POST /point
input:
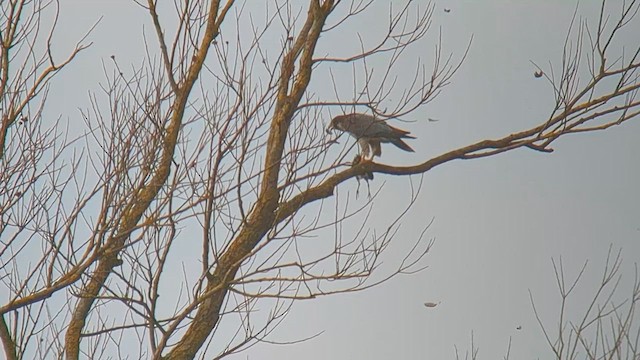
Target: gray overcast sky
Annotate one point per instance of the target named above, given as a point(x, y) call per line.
point(497, 221)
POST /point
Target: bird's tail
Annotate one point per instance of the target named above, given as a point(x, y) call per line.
point(402, 133)
point(402, 145)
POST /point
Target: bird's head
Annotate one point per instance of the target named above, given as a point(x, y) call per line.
point(337, 123)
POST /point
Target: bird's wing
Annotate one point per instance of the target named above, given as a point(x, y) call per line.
point(359, 125)
point(367, 126)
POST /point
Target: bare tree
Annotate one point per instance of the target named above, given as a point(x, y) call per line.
point(199, 185)
point(607, 328)
point(601, 325)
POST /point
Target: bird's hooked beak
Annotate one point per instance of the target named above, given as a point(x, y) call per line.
point(330, 128)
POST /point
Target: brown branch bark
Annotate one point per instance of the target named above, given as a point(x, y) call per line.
point(146, 193)
point(8, 343)
point(262, 218)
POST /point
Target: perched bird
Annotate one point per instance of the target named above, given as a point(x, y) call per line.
point(369, 132)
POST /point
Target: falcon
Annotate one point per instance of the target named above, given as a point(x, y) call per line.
point(370, 132)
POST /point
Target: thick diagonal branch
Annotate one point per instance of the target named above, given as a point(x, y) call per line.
point(144, 194)
point(291, 87)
